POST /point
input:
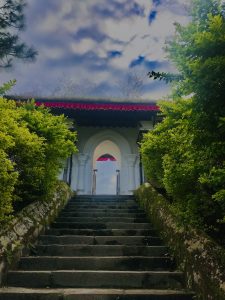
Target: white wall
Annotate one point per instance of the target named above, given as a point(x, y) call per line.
point(88, 139)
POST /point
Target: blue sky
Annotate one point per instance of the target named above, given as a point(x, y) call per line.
point(92, 46)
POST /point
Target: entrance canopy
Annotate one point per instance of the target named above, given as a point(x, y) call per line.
point(100, 111)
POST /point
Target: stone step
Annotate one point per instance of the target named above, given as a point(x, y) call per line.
point(101, 232)
point(102, 214)
point(103, 210)
point(106, 196)
point(99, 250)
point(120, 263)
point(102, 197)
point(104, 204)
point(101, 206)
point(98, 225)
point(100, 240)
point(96, 279)
point(93, 201)
point(93, 294)
point(100, 219)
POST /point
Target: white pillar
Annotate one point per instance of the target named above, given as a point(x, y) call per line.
point(131, 160)
point(82, 159)
point(74, 175)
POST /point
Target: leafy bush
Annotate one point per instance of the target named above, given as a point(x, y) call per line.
point(58, 144)
point(186, 169)
point(33, 146)
point(185, 154)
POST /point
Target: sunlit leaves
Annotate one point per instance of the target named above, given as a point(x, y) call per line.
point(33, 145)
point(7, 86)
point(186, 152)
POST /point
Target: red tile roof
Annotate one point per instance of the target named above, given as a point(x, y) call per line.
point(99, 106)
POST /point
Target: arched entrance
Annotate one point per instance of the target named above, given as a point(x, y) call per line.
point(106, 169)
point(97, 142)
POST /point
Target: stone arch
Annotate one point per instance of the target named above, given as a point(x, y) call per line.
point(105, 147)
point(110, 135)
point(125, 151)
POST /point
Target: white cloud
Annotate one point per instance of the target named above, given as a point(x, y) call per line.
point(83, 46)
point(53, 25)
point(49, 24)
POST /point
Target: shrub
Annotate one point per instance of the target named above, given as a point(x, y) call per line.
point(185, 153)
point(58, 144)
point(191, 172)
point(33, 145)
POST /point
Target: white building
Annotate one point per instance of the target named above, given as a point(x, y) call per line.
point(108, 132)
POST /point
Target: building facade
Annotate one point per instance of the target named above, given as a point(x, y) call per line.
point(108, 131)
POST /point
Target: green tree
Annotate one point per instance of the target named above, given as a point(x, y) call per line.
point(6, 87)
point(8, 175)
point(12, 20)
point(198, 51)
point(190, 141)
point(58, 144)
point(33, 146)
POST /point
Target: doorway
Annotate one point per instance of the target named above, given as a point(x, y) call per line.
point(106, 169)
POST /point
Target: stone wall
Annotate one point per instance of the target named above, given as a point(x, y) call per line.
point(22, 231)
point(201, 259)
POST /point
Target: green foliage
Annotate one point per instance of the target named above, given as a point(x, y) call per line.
point(8, 174)
point(194, 251)
point(58, 141)
point(8, 178)
point(175, 160)
point(167, 77)
point(11, 19)
point(185, 153)
point(33, 145)
point(7, 86)
point(198, 53)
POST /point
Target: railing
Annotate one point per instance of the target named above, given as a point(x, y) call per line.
point(117, 182)
point(94, 182)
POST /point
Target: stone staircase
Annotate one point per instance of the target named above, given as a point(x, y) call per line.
point(99, 248)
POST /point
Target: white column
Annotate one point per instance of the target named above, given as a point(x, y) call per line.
point(131, 160)
point(82, 159)
point(75, 170)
